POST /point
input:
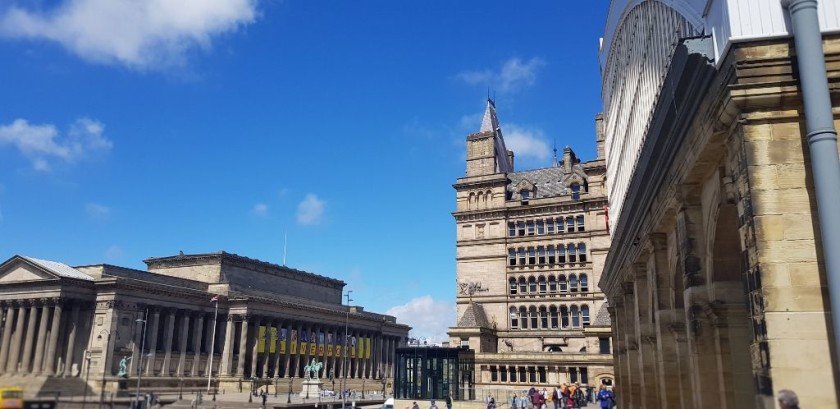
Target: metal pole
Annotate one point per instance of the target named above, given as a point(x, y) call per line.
point(822, 142)
point(142, 347)
point(212, 346)
point(87, 377)
point(104, 370)
point(289, 398)
point(344, 353)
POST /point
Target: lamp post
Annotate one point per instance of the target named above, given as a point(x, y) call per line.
point(140, 355)
point(180, 388)
point(251, 393)
point(107, 350)
point(87, 376)
point(345, 352)
point(363, 388)
point(289, 398)
point(275, 386)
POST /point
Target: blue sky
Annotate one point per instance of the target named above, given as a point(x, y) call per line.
point(129, 132)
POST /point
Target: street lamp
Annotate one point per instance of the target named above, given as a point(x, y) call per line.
point(251, 394)
point(345, 352)
point(289, 398)
point(140, 355)
point(363, 388)
point(180, 388)
point(87, 376)
point(275, 384)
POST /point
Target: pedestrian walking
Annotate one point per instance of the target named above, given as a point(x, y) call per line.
point(788, 399)
point(449, 401)
point(605, 398)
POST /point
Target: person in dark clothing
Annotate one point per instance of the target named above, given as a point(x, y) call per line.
point(449, 401)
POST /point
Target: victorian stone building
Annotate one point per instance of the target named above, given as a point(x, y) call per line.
point(530, 248)
point(64, 325)
point(720, 264)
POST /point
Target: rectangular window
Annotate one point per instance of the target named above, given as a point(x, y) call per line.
point(522, 375)
point(551, 257)
point(530, 225)
point(580, 225)
point(560, 226)
point(604, 345)
point(512, 371)
point(552, 285)
point(541, 255)
point(532, 374)
point(549, 224)
point(573, 375)
point(541, 373)
point(512, 287)
point(542, 286)
point(544, 319)
point(521, 253)
point(554, 318)
point(572, 254)
point(532, 256)
point(561, 254)
point(494, 374)
point(534, 323)
point(523, 288)
point(584, 376)
point(511, 229)
point(540, 227)
point(512, 257)
point(503, 374)
point(582, 252)
point(570, 225)
point(520, 228)
point(514, 320)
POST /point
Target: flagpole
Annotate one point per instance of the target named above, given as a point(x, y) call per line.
point(212, 345)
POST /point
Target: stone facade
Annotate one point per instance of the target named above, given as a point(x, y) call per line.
point(63, 326)
point(530, 248)
point(715, 280)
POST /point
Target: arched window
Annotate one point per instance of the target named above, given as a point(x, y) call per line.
point(573, 283)
point(584, 312)
point(480, 200)
point(523, 317)
point(521, 253)
point(471, 201)
point(572, 253)
point(582, 252)
point(553, 314)
point(575, 316)
point(532, 313)
point(564, 316)
point(583, 281)
point(564, 287)
point(512, 256)
point(512, 282)
point(523, 286)
point(532, 256)
point(561, 254)
point(580, 224)
point(540, 255)
point(514, 318)
point(532, 285)
point(575, 191)
point(488, 198)
point(552, 284)
point(543, 318)
point(570, 225)
point(543, 287)
point(551, 257)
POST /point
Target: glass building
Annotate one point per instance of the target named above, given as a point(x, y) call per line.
point(434, 372)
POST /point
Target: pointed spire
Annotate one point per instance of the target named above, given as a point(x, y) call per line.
point(556, 164)
point(490, 121)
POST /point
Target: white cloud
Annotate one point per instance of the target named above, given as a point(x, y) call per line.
point(471, 122)
point(512, 76)
point(114, 253)
point(97, 211)
point(429, 318)
point(526, 142)
point(38, 142)
point(145, 34)
point(310, 210)
point(260, 209)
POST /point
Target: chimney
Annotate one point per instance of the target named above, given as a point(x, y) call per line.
point(569, 159)
point(510, 159)
point(599, 135)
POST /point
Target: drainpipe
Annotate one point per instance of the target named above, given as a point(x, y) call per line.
point(822, 142)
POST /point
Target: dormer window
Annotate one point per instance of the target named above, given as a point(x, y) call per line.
point(575, 191)
point(524, 194)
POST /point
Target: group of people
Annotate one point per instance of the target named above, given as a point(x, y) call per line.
point(565, 397)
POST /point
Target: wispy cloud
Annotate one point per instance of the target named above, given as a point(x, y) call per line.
point(150, 34)
point(429, 318)
point(97, 211)
point(41, 142)
point(310, 210)
point(512, 76)
point(260, 209)
point(526, 142)
point(114, 253)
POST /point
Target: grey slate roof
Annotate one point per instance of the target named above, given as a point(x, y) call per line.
point(548, 182)
point(59, 269)
point(603, 317)
point(474, 316)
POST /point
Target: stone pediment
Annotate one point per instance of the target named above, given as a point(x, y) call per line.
point(22, 272)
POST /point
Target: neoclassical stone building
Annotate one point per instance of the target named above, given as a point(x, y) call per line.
point(63, 325)
point(530, 248)
point(718, 274)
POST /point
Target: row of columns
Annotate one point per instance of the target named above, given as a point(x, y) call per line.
point(241, 357)
point(38, 337)
point(173, 345)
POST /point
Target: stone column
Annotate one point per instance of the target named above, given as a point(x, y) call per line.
point(255, 347)
point(152, 343)
point(182, 343)
point(7, 335)
point(226, 365)
point(645, 336)
point(197, 332)
point(211, 321)
point(28, 338)
point(38, 363)
point(295, 369)
point(268, 358)
point(243, 347)
point(289, 355)
point(277, 355)
point(168, 335)
point(669, 370)
point(73, 327)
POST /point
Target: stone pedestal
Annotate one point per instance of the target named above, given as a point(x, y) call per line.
point(312, 387)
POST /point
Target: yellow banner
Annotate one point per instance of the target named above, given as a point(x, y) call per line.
point(320, 350)
point(329, 350)
point(294, 344)
point(303, 348)
point(261, 339)
point(367, 348)
point(338, 351)
point(312, 348)
point(282, 346)
point(352, 352)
